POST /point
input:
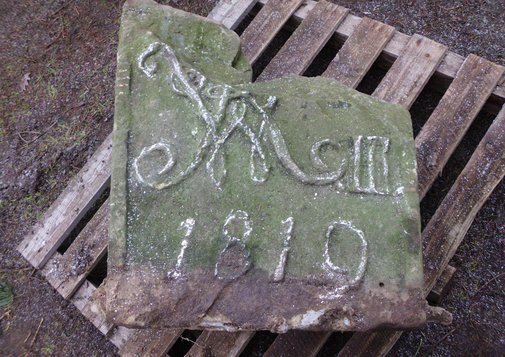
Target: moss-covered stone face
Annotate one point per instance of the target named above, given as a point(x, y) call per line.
point(278, 205)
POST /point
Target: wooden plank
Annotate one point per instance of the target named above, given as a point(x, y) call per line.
point(149, 342)
point(448, 67)
point(73, 203)
point(411, 71)
point(84, 300)
point(220, 344)
point(267, 23)
point(67, 272)
point(231, 12)
point(305, 43)
point(298, 343)
point(442, 285)
point(359, 52)
point(120, 335)
point(452, 117)
point(449, 225)
point(376, 343)
point(452, 219)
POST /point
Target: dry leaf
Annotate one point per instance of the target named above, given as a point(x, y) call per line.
point(24, 82)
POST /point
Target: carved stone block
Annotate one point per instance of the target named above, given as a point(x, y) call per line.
point(236, 205)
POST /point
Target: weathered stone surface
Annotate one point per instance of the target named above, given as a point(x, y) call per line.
point(277, 205)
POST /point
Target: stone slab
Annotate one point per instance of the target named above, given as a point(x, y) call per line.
point(237, 205)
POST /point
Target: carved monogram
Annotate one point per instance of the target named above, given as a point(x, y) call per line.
point(363, 167)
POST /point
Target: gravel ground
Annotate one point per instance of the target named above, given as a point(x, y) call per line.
point(49, 128)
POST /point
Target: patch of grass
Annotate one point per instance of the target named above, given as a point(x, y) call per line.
point(51, 68)
point(6, 294)
point(473, 265)
point(97, 108)
point(52, 91)
point(48, 349)
point(33, 205)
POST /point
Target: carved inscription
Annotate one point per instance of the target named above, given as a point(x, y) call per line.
point(224, 110)
point(331, 267)
point(286, 233)
point(371, 166)
point(235, 259)
point(187, 226)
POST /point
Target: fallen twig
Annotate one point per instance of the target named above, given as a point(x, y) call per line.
point(14, 269)
point(193, 342)
point(38, 136)
point(445, 336)
point(27, 337)
point(60, 8)
point(487, 283)
point(7, 313)
point(36, 332)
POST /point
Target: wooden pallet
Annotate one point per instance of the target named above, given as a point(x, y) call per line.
point(475, 82)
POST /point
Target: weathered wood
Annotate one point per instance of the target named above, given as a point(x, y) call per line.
point(411, 71)
point(231, 12)
point(263, 28)
point(149, 342)
point(67, 272)
point(84, 301)
point(448, 67)
point(120, 335)
point(220, 344)
point(376, 343)
point(73, 203)
point(449, 225)
point(455, 214)
point(298, 343)
point(359, 52)
point(452, 117)
point(442, 285)
point(305, 43)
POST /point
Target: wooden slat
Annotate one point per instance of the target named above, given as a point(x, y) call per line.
point(411, 71)
point(149, 342)
point(266, 25)
point(370, 343)
point(65, 213)
point(359, 52)
point(220, 344)
point(84, 301)
point(451, 119)
point(447, 228)
point(448, 67)
point(67, 272)
point(442, 285)
point(305, 43)
point(120, 335)
point(454, 216)
point(231, 12)
point(298, 343)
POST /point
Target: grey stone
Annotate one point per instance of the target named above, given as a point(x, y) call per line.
point(276, 205)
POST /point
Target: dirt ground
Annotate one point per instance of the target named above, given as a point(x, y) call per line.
point(54, 121)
